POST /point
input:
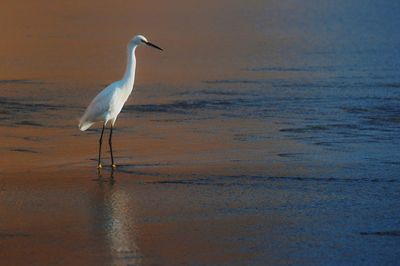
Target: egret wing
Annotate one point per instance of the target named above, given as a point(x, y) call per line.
point(99, 108)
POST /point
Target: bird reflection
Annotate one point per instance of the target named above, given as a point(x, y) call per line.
point(115, 212)
point(102, 179)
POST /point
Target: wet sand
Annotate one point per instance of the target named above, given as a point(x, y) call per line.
point(264, 136)
point(188, 190)
point(143, 216)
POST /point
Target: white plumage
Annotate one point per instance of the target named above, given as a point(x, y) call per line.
point(106, 105)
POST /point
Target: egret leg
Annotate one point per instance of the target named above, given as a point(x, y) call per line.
point(100, 142)
point(110, 143)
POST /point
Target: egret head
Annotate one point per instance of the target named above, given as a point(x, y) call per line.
point(140, 39)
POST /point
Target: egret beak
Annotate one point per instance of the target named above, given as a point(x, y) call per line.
point(153, 45)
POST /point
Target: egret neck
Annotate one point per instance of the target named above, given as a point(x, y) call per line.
point(129, 76)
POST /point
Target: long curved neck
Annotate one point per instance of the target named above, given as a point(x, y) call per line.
point(129, 76)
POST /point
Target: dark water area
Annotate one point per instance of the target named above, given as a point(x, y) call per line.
point(268, 134)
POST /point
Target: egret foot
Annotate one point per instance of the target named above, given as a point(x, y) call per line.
point(114, 166)
point(99, 166)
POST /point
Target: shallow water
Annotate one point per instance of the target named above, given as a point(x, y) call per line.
point(266, 134)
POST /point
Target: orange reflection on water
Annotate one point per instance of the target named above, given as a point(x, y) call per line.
point(78, 41)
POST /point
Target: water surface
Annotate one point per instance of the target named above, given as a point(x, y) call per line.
point(267, 132)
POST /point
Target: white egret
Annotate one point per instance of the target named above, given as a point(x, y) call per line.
point(106, 106)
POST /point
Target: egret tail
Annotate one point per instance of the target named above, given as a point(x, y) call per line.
point(85, 125)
